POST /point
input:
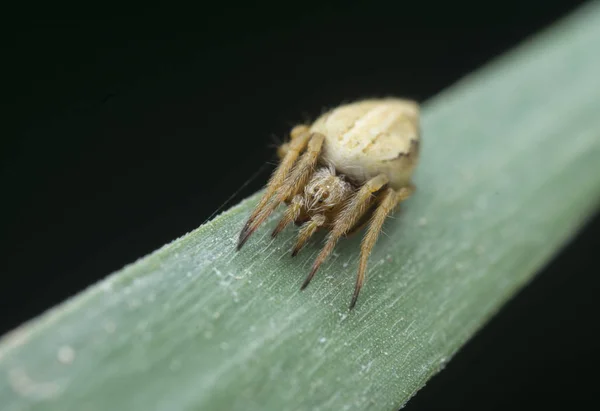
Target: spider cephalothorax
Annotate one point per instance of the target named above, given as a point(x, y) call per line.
point(351, 167)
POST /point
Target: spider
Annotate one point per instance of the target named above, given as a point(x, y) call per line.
point(350, 168)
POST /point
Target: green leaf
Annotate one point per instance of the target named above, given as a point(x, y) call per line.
point(510, 170)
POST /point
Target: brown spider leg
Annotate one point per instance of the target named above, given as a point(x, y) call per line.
point(299, 140)
point(291, 214)
point(357, 206)
point(294, 182)
point(363, 221)
point(307, 230)
point(388, 201)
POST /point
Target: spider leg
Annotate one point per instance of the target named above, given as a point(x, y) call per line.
point(299, 139)
point(291, 214)
point(307, 230)
point(388, 201)
point(349, 216)
point(297, 179)
point(363, 221)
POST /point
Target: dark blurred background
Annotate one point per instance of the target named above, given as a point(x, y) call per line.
point(129, 128)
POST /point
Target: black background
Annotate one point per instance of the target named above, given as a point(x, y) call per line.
point(128, 129)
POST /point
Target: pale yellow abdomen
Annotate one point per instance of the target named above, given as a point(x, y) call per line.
point(371, 137)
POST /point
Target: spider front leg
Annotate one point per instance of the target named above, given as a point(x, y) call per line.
point(294, 182)
point(388, 200)
point(348, 217)
point(299, 140)
point(291, 214)
point(307, 230)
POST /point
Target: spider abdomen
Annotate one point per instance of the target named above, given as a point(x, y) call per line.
point(372, 137)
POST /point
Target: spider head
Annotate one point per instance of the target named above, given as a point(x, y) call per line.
point(326, 190)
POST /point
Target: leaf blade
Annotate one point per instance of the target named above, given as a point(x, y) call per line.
point(509, 173)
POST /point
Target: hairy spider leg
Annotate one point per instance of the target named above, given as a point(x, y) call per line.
point(291, 214)
point(388, 200)
point(294, 182)
point(299, 140)
point(349, 216)
point(307, 230)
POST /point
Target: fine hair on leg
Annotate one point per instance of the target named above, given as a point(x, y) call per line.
point(356, 207)
point(294, 182)
point(299, 140)
point(291, 214)
point(307, 230)
point(388, 201)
